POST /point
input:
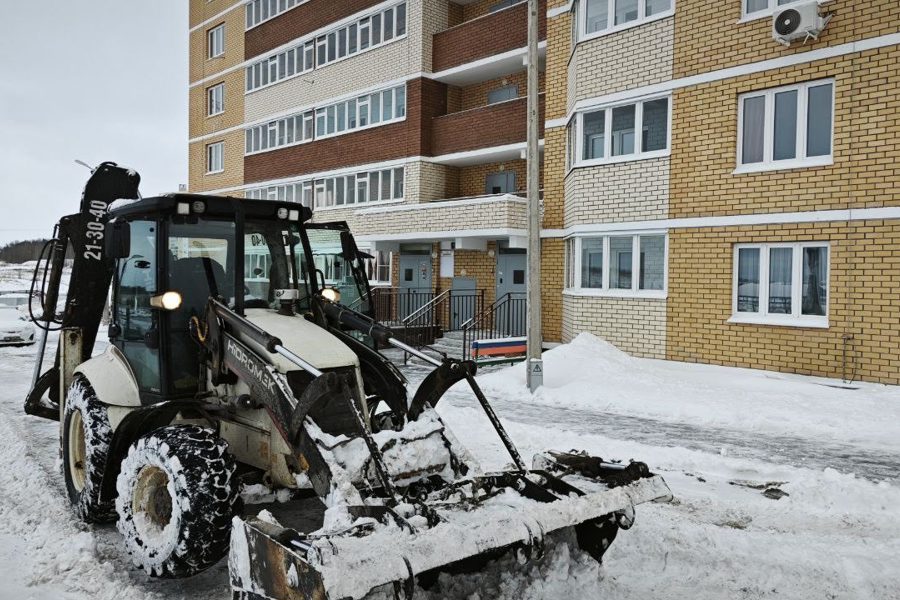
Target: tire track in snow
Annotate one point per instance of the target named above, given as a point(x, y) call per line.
point(796, 451)
point(57, 556)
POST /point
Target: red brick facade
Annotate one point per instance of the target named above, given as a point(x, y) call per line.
point(493, 125)
point(300, 21)
point(492, 34)
point(425, 99)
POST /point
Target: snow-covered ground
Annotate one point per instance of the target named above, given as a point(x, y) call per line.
point(726, 440)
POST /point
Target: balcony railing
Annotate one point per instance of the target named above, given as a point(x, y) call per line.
point(488, 35)
point(483, 127)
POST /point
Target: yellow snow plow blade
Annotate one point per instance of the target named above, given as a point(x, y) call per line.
point(457, 530)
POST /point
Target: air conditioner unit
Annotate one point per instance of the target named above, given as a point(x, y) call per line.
point(800, 22)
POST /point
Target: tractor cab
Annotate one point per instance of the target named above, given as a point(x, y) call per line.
point(173, 253)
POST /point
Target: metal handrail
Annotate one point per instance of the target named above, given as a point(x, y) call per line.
point(486, 320)
point(433, 302)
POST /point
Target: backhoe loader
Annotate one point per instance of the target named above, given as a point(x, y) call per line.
point(234, 357)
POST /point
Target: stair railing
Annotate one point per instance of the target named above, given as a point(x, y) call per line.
point(506, 317)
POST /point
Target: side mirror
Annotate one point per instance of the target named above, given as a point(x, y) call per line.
point(118, 239)
point(348, 246)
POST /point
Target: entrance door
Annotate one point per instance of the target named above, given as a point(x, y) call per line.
point(463, 301)
point(511, 279)
point(415, 283)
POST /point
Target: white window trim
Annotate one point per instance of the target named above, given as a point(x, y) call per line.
point(209, 103)
point(209, 149)
point(342, 173)
point(578, 121)
point(768, 12)
point(315, 110)
point(209, 44)
point(796, 319)
point(271, 16)
point(605, 291)
point(768, 163)
point(315, 37)
point(581, 19)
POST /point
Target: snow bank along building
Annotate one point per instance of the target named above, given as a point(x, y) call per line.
point(715, 196)
point(709, 194)
point(405, 118)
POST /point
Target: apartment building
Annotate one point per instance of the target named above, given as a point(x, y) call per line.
point(405, 118)
point(714, 196)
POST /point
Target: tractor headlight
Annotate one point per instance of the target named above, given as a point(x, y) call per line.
point(332, 294)
point(167, 301)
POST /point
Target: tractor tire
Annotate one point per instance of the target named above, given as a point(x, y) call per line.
point(86, 436)
point(177, 496)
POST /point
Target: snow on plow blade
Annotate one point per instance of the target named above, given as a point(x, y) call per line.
point(471, 522)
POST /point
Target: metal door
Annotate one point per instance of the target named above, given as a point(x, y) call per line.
point(511, 279)
point(415, 283)
point(463, 300)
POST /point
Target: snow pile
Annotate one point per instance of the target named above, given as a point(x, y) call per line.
point(418, 450)
point(592, 374)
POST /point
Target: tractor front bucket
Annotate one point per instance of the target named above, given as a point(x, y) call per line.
point(458, 528)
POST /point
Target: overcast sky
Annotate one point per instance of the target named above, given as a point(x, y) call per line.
point(89, 79)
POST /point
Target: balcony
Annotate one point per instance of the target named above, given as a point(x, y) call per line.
point(493, 39)
point(492, 126)
point(469, 221)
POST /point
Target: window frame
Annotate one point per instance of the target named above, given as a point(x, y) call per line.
point(575, 155)
point(210, 151)
point(762, 316)
point(573, 255)
point(798, 162)
point(580, 19)
point(321, 43)
point(210, 102)
point(215, 36)
point(319, 187)
point(771, 9)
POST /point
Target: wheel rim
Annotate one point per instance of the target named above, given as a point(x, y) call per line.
point(151, 503)
point(77, 453)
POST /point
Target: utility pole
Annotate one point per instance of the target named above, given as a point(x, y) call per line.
point(534, 363)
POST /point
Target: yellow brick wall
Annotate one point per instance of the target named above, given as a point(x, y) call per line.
point(201, 66)
point(634, 325)
point(233, 175)
point(201, 10)
point(708, 35)
point(864, 303)
point(864, 174)
point(199, 123)
point(559, 44)
point(552, 279)
point(478, 264)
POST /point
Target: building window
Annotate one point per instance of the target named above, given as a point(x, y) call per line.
point(363, 34)
point(503, 4)
point(378, 265)
point(617, 133)
point(258, 11)
point(376, 108)
point(781, 284)
point(215, 99)
point(597, 17)
point(215, 41)
point(502, 94)
point(618, 265)
point(337, 191)
point(787, 127)
point(763, 8)
point(215, 157)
